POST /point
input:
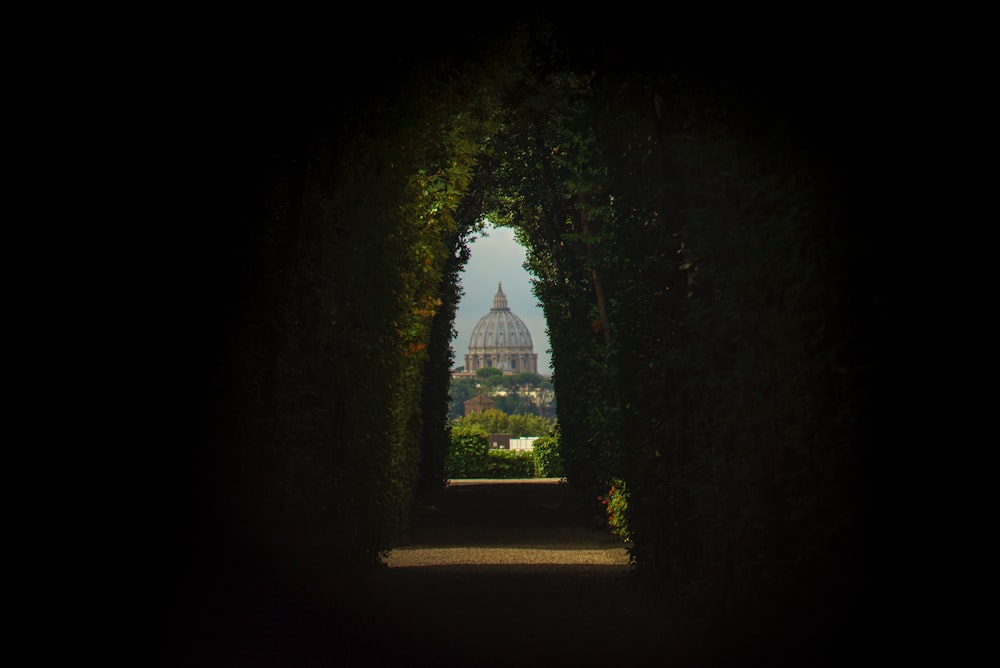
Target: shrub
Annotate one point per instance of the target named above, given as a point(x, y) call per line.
point(510, 464)
point(616, 504)
point(548, 463)
point(468, 456)
point(495, 421)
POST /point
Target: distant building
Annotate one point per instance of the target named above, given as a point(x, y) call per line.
point(509, 442)
point(525, 443)
point(500, 441)
point(478, 404)
point(501, 340)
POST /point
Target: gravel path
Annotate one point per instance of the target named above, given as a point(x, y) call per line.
point(492, 573)
point(515, 572)
point(518, 522)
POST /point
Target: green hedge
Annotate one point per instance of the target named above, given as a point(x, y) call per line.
point(510, 464)
point(470, 457)
point(548, 463)
point(468, 454)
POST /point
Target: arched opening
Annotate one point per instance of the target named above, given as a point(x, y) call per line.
point(714, 285)
point(496, 257)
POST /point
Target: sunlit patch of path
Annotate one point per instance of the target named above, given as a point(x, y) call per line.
point(410, 557)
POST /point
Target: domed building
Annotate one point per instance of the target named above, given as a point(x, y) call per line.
point(501, 340)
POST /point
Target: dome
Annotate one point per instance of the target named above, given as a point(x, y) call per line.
point(500, 327)
point(501, 339)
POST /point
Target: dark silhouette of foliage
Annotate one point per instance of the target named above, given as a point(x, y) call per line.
point(711, 268)
point(690, 243)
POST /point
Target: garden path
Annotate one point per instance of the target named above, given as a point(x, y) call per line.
point(491, 573)
point(515, 572)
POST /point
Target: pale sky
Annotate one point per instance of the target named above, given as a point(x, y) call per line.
point(498, 258)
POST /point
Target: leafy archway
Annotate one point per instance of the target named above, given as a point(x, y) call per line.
point(695, 248)
point(695, 261)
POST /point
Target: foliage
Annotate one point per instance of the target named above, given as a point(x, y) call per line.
point(461, 390)
point(471, 457)
point(699, 288)
point(510, 393)
point(689, 260)
point(529, 379)
point(494, 421)
point(548, 463)
point(352, 237)
point(616, 505)
point(510, 464)
point(468, 456)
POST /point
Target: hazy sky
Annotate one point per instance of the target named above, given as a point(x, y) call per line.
point(497, 258)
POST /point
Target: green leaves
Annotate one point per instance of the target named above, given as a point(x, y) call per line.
point(685, 272)
point(547, 456)
point(495, 421)
point(680, 270)
point(468, 452)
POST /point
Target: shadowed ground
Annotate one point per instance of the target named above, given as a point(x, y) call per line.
point(491, 573)
point(514, 571)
